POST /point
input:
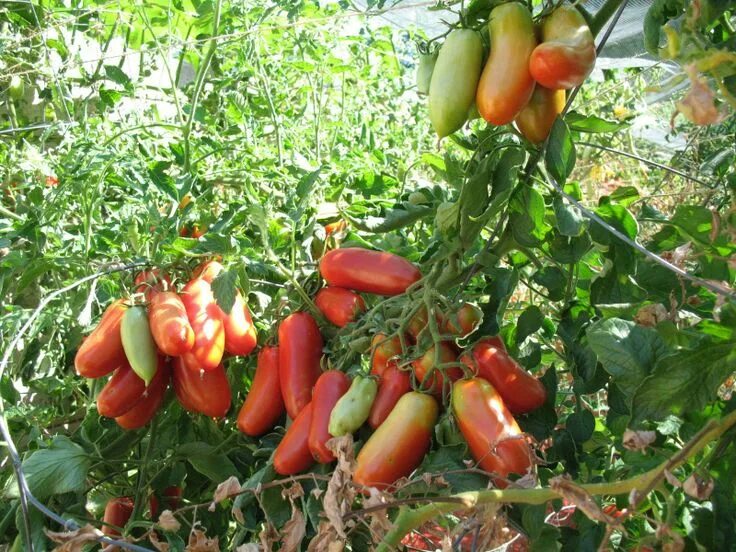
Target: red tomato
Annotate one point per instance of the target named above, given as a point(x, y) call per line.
point(198, 230)
point(464, 321)
point(493, 436)
point(184, 231)
point(52, 181)
point(208, 270)
point(419, 322)
point(506, 85)
point(170, 497)
point(339, 305)
point(397, 447)
point(153, 506)
point(393, 384)
point(520, 391)
point(383, 350)
point(432, 380)
point(263, 405)
point(117, 513)
point(124, 389)
point(300, 352)
point(170, 326)
point(207, 392)
point(204, 317)
point(566, 55)
point(330, 386)
point(334, 228)
point(145, 409)
point(102, 351)
point(368, 271)
point(293, 454)
point(149, 282)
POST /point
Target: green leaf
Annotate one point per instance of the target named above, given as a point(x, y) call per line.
point(450, 459)
point(116, 75)
point(216, 466)
point(61, 468)
point(627, 351)
point(526, 217)
point(529, 322)
point(570, 220)
point(224, 289)
point(162, 181)
point(501, 284)
point(560, 156)
point(109, 97)
point(580, 425)
point(553, 279)
point(684, 381)
point(592, 123)
point(402, 216)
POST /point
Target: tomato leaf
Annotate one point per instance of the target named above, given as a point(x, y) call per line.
point(399, 217)
point(501, 284)
point(592, 123)
point(216, 466)
point(164, 182)
point(560, 156)
point(570, 220)
point(526, 217)
point(529, 322)
point(580, 425)
point(224, 290)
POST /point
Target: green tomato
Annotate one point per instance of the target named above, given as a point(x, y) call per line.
point(17, 88)
point(424, 72)
point(140, 349)
point(455, 80)
point(352, 409)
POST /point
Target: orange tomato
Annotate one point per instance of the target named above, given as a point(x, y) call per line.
point(293, 454)
point(536, 119)
point(205, 318)
point(102, 351)
point(170, 326)
point(263, 405)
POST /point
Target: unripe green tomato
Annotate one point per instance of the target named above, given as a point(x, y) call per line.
point(353, 408)
point(424, 72)
point(140, 349)
point(455, 80)
point(17, 88)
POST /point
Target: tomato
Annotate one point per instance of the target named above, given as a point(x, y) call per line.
point(16, 88)
point(186, 200)
point(102, 351)
point(353, 408)
point(397, 447)
point(425, 68)
point(382, 351)
point(536, 119)
point(335, 228)
point(493, 436)
point(184, 231)
point(520, 391)
point(207, 392)
point(394, 384)
point(431, 379)
point(368, 271)
point(204, 317)
point(170, 498)
point(149, 282)
point(464, 321)
point(330, 386)
point(170, 326)
point(208, 271)
point(454, 80)
point(300, 352)
point(506, 85)
point(263, 405)
point(145, 409)
point(566, 55)
point(198, 230)
point(117, 513)
point(419, 321)
point(140, 349)
point(293, 454)
point(121, 393)
point(339, 305)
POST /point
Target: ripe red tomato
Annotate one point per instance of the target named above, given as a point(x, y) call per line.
point(300, 352)
point(383, 350)
point(207, 392)
point(494, 438)
point(368, 271)
point(208, 270)
point(536, 119)
point(102, 351)
point(393, 384)
point(293, 454)
point(339, 305)
point(520, 391)
point(506, 85)
point(464, 321)
point(204, 317)
point(397, 447)
point(124, 389)
point(145, 409)
point(117, 513)
point(149, 282)
point(432, 380)
point(330, 386)
point(263, 405)
point(170, 326)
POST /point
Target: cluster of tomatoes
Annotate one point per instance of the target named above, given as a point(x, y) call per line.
point(524, 78)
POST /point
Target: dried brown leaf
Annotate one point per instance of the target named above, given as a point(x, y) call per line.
point(698, 106)
point(73, 541)
point(200, 542)
point(574, 494)
point(651, 315)
point(293, 531)
point(226, 489)
point(157, 544)
point(638, 440)
point(238, 514)
point(168, 522)
point(326, 539)
point(380, 524)
point(268, 537)
point(698, 487)
point(250, 547)
point(340, 492)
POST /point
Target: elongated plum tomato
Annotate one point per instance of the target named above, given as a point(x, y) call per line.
point(425, 68)
point(493, 436)
point(206, 392)
point(520, 391)
point(536, 119)
point(204, 317)
point(397, 447)
point(393, 384)
point(117, 513)
point(150, 282)
point(293, 454)
point(121, 392)
point(330, 386)
point(431, 379)
point(145, 409)
point(506, 85)
point(263, 405)
point(420, 320)
point(383, 350)
point(300, 352)
point(102, 351)
point(368, 271)
point(339, 305)
point(353, 408)
point(454, 80)
point(464, 321)
point(170, 326)
point(566, 55)
point(140, 348)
